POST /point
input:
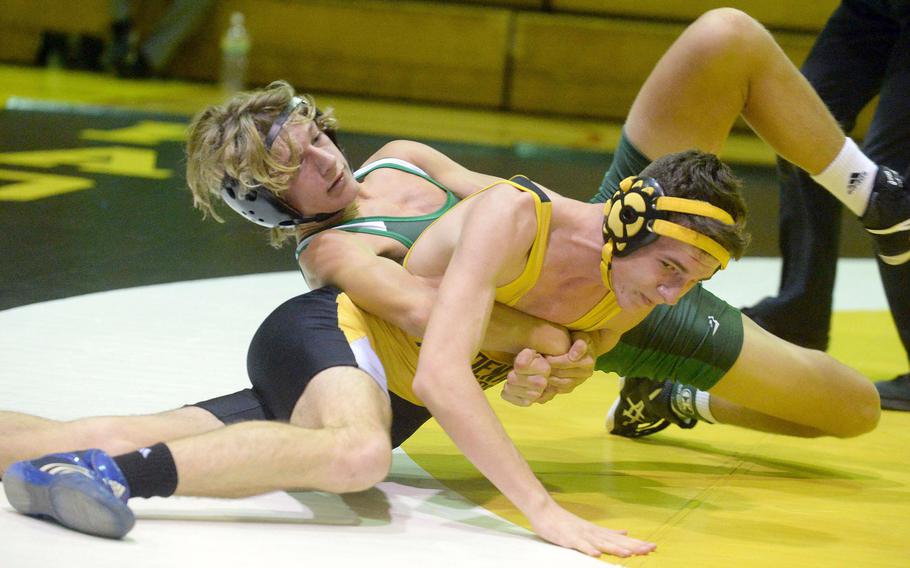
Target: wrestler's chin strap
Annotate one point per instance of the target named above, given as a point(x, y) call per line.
point(637, 214)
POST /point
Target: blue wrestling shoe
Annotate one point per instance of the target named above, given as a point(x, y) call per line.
point(887, 217)
point(643, 408)
point(84, 491)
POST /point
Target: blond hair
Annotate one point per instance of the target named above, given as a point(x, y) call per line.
point(228, 140)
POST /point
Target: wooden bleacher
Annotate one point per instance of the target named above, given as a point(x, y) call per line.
point(562, 57)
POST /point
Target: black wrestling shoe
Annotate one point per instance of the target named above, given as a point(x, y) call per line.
point(887, 217)
point(643, 408)
point(895, 394)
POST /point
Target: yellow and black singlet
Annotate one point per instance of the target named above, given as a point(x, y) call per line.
point(511, 293)
point(399, 351)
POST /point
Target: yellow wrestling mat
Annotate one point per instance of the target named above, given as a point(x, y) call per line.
point(715, 496)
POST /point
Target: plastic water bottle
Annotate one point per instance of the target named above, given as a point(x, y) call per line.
point(235, 49)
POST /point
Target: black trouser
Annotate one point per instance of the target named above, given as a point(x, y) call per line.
point(864, 50)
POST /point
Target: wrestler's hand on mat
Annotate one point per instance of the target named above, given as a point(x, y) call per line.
point(527, 380)
point(569, 370)
point(559, 526)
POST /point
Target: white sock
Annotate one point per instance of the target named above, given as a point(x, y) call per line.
point(849, 177)
point(690, 403)
point(703, 406)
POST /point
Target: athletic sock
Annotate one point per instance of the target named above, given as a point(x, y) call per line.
point(703, 406)
point(689, 403)
point(849, 177)
point(149, 472)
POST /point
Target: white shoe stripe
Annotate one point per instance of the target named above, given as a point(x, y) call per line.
point(902, 226)
point(895, 259)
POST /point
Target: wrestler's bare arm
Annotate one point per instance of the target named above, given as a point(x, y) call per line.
point(384, 288)
point(446, 385)
point(458, 179)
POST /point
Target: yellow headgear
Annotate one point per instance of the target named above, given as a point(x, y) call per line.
point(638, 214)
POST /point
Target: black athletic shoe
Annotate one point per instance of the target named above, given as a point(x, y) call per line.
point(643, 408)
point(895, 394)
point(887, 217)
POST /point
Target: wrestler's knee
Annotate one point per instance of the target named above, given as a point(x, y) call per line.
point(850, 398)
point(362, 459)
point(864, 414)
point(108, 433)
point(727, 32)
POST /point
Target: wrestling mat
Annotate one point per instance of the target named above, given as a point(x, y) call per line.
point(117, 299)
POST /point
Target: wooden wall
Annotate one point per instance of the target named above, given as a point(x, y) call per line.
point(572, 57)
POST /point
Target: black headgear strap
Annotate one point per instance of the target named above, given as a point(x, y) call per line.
point(259, 205)
point(637, 214)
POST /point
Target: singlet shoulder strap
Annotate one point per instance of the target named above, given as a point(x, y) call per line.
point(605, 310)
point(375, 227)
point(510, 293)
point(394, 163)
point(403, 229)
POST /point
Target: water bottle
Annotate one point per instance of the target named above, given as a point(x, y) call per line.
point(235, 49)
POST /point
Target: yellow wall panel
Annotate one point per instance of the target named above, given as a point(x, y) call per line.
point(526, 4)
point(23, 21)
point(440, 53)
point(19, 46)
point(583, 66)
point(801, 15)
point(588, 66)
point(86, 16)
point(474, 54)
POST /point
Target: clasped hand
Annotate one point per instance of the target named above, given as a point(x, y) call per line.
point(538, 378)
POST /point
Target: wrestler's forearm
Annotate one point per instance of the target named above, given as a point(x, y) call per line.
point(446, 385)
point(510, 331)
point(382, 287)
point(478, 433)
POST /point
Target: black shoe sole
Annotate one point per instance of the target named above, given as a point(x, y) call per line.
point(895, 404)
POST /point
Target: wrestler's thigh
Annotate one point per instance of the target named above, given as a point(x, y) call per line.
point(799, 385)
point(698, 88)
point(342, 397)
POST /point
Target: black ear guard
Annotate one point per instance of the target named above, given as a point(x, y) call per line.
point(630, 215)
point(639, 213)
point(258, 204)
point(261, 207)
